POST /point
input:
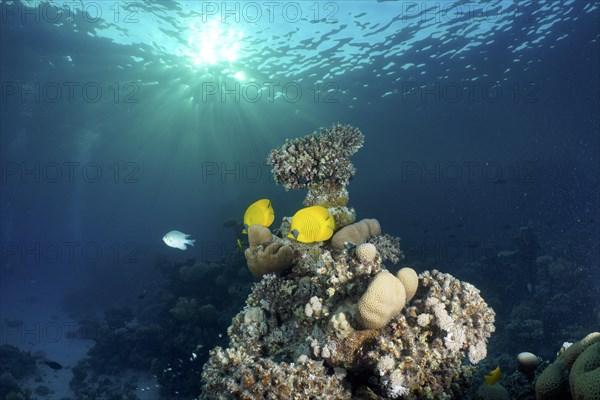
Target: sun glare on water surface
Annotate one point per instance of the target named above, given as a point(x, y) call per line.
point(212, 43)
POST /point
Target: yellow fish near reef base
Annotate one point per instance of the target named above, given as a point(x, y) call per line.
point(312, 224)
point(493, 376)
point(260, 212)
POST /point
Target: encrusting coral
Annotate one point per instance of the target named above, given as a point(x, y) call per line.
point(302, 333)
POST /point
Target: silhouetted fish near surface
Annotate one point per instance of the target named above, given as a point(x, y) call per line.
point(52, 364)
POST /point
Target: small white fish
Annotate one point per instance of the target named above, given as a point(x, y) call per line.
point(178, 240)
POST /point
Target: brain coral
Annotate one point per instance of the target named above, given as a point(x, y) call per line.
point(366, 252)
point(584, 378)
point(553, 382)
point(383, 300)
point(356, 233)
point(492, 392)
point(410, 280)
point(527, 362)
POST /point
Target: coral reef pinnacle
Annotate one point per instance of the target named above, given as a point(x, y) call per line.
point(302, 332)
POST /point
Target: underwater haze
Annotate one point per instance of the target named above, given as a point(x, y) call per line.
point(125, 126)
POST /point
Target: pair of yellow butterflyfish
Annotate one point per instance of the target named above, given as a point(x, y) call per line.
point(310, 224)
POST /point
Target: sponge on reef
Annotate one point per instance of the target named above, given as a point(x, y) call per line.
point(273, 258)
point(356, 233)
point(384, 299)
point(258, 234)
point(263, 255)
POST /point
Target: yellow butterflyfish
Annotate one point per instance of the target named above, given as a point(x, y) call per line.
point(260, 212)
point(493, 376)
point(312, 224)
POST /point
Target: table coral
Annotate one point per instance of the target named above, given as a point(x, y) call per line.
point(319, 162)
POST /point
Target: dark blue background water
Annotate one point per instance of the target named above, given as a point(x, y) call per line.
point(454, 174)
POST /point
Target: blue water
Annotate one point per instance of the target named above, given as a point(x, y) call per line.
point(123, 121)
